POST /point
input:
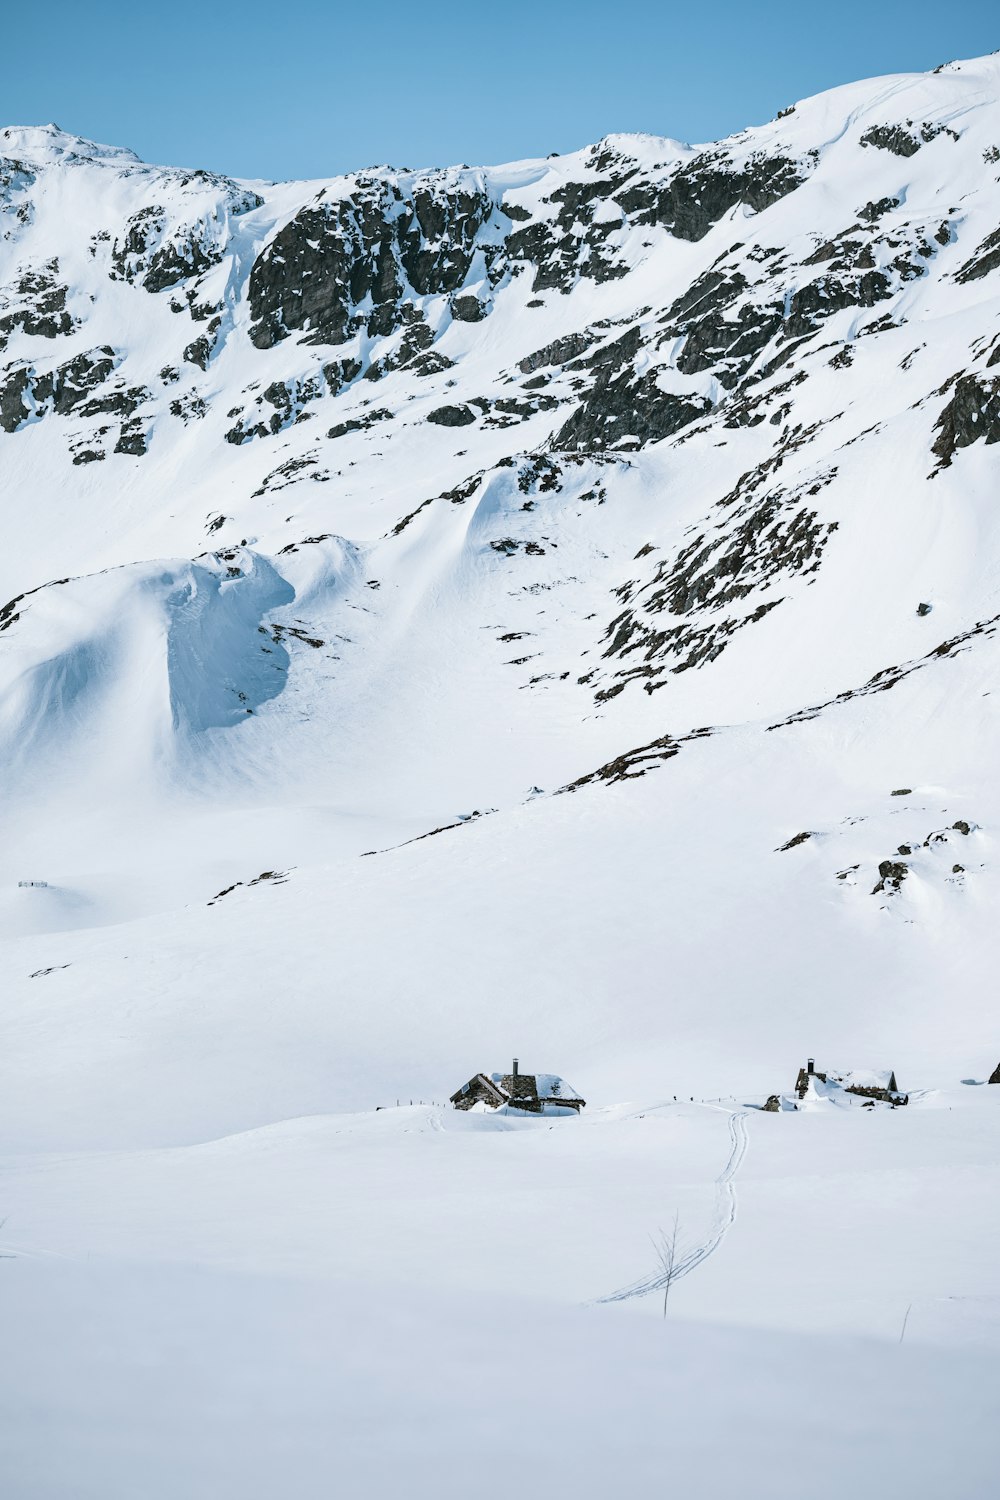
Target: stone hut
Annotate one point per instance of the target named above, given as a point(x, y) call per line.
point(865, 1083)
point(536, 1093)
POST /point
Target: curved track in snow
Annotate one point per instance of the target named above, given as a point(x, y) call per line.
point(725, 1217)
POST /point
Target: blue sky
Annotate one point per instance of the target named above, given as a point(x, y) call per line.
point(309, 89)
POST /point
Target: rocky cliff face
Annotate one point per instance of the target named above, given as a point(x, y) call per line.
point(681, 395)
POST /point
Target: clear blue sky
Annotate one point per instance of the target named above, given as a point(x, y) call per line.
point(308, 89)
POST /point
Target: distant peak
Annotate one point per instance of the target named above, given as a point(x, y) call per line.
point(42, 143)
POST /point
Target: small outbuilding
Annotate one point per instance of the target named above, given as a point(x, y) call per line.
point(536, 1093)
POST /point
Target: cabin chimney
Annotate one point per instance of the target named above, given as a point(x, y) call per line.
point(811, 1066)
point(515, 1067)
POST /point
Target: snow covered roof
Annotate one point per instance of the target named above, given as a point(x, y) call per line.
point(547, 1085)
point(863, 1078)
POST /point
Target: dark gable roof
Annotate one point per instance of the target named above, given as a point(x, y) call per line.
point(480, 1083)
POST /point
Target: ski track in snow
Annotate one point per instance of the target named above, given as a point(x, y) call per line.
point(725, 1218)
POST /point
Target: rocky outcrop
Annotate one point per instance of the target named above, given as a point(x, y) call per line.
point(985, 259)
point(26, 392)
point(36, 304)
point(687, 611)
point(556, 353)
point(904, 140)
point(579, 241)
point(378, 247)
point(158, 252)
point(891, 138)
point(972, 414)
point(452, 416)
point(698, 195)
point(622, 407)
point(16, 209)
point(288, 399)
point(892, 873)
point(723, 330)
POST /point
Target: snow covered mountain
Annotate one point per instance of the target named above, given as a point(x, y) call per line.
point(339, 512)
point(546, 610)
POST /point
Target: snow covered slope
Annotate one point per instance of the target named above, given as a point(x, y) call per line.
point(547, 610)
point(339, 512)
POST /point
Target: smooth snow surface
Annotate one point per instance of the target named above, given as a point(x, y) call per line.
point(347, 749)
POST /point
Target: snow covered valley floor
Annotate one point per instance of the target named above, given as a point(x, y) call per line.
point(360, 1304)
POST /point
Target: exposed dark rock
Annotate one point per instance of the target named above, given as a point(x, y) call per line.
point(359, 424)
point(891, 138)
point(451, 416)
point(16, 384)
point(189, 406)
point(339, 373)
point(632, 764)
point(704, 190)
point(793, 842)
point(119, 402)
point(288, 398)
point(132, 438)
point(201, 312)
point(985, 259)
point(874, 211)
point(25, 392)
point(972, 413)
point(628, 407)
point(508, 545)
point(10, 613)
point(571, 246)
point(768, 536)
point(43, 310)
point(556, 353)
point(468, 309)
point(892, 873)
point(723, 331)
point(200, 350)
point(144, 253)
point(818, 299)
point(575, 244)
point(69, 385)
point(637, 762)
point(159, 255)
point(332, 256)
point(431, 363)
